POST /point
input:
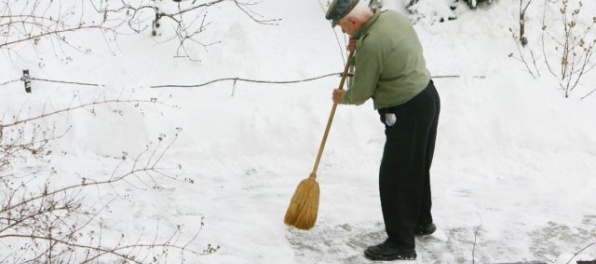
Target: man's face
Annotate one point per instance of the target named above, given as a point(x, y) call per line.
point(347, 26)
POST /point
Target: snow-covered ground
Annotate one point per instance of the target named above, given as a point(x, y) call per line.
point(514, 174)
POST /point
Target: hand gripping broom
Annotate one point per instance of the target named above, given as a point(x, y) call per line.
point(303, 209)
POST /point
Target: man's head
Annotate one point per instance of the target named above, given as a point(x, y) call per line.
point(349, 14)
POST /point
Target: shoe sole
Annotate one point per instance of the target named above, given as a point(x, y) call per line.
point(425, 232)
point(388, 258)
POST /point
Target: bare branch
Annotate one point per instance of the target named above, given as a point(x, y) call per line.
point(53, 223)
point(572, 47)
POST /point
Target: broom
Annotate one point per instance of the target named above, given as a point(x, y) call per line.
point(303, 209)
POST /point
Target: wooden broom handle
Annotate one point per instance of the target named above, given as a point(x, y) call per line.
point(313, 175)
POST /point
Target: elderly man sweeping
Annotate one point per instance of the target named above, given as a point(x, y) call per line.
point(390, 68)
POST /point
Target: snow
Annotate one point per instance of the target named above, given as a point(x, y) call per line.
point(513, 178)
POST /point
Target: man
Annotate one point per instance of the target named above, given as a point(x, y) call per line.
point(390, 68)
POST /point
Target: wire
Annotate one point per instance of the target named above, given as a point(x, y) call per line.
point(234, 79)
point(51, 81)
point(9, 82)
point(55, 81)
point(246, 80)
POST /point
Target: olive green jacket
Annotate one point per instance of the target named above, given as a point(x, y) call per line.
point(389, 62)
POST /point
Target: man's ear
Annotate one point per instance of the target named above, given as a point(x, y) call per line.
point(353, 20)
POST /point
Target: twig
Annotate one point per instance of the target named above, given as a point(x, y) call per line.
point(577, 253)
point(590, 93)
point(44, 34)
point(475, 238)
point(343, 56)
point(83, 105)
point(522, 58)
point(522, 22)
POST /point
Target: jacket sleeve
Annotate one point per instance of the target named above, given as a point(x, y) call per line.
point(367, 71)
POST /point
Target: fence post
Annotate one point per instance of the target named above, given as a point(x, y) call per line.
point(27, 80)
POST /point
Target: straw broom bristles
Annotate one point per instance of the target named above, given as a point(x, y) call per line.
point(303, 209)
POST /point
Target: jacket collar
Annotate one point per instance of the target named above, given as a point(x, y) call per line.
point(368, 24)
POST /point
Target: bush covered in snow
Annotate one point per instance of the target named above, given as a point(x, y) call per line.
point(471, 3)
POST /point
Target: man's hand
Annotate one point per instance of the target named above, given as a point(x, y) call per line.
point(352, 44)
point(337, 94)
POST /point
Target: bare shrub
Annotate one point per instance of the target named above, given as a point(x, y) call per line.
point(567, 44)
point(574, 46)
point(51, 23)
point(48, 26)
point(184, 20)
point(473, 4)
point(46, 217)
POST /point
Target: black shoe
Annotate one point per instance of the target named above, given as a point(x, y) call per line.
point(389, 251)
point(424, 230)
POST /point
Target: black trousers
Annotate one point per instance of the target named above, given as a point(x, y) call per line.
point(404, 176)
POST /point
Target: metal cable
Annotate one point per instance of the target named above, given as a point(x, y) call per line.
point(9, 82)
point(246, 80)
point(66, 82)
point(235, 79)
